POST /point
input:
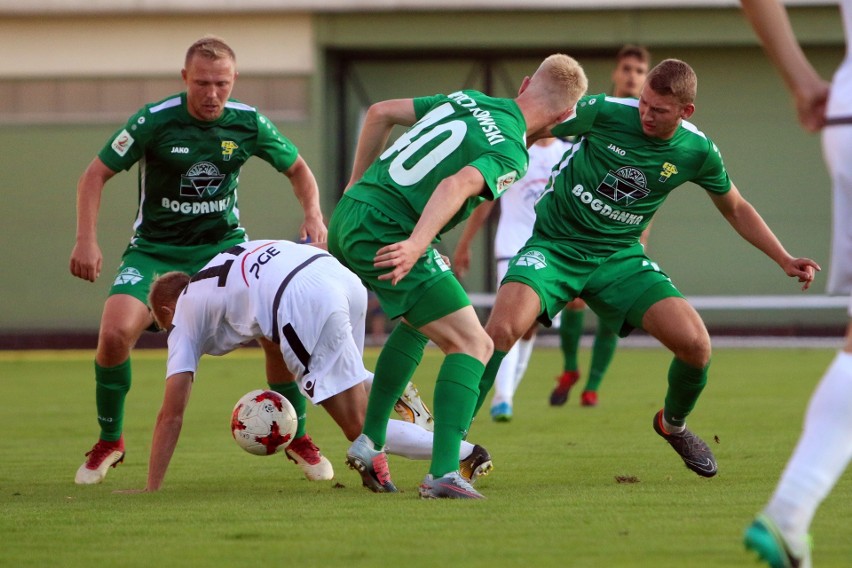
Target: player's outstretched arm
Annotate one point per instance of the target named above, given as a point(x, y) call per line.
point(445, 202)
point(461, 256)
point(745, 219)
point(167, 430)
point(307, 192)
point(772, 25)
point(86, 258)
point(380, 120)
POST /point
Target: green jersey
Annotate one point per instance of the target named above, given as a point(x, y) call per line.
point(608, 185)
point(189, 168)
point(465, 128)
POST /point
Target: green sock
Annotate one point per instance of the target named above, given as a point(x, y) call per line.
point(602, 353)
point(488, 377)
point(570, 332)
point(456, 391)
point(111, 387)
point(291, 392)
point(396, 365)
point(685, 386)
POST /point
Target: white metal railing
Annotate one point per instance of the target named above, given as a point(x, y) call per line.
point(780, 302)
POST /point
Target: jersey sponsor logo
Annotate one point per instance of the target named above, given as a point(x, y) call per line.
point(669, 169)
point(128, 276)
point(482, 116)
point(122, 143)
point(532, 258)
point(624, 186)
point(504, 182)
point(228, 147)
point(196, 207)
point(180, 150)
point(201, 179)
point(588, 199)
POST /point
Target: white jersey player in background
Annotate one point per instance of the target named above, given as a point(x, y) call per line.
point(780, 533)
point(517, 217)
point(297, 296)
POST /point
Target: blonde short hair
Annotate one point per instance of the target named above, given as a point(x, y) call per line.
point(675, 78)
point(165, 291)
point(559, 82)
point(210, 47)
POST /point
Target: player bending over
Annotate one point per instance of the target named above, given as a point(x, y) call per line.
point(300, 298)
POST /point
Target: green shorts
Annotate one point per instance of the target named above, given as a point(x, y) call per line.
point(143, 261)
point(619, 287)
point(428, 292)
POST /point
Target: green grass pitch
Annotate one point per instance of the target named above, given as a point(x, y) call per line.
point(553, 497)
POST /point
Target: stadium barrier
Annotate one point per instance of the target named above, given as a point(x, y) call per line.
point(774, 302)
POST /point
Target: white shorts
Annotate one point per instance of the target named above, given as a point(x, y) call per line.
point(837, 141)
point(322, 339)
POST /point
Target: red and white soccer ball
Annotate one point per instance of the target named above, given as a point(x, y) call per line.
point(263, 422)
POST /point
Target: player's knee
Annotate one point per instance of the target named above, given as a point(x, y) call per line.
point(114, 344)
point(484, 347)
point(502, 334)
point(694, 348)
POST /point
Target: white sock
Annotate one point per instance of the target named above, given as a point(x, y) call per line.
point(821, 455)
point(504, 382)
point(413, 442)
point(525, 349)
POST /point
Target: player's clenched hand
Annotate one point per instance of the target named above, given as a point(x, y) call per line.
point(314, 229)
point(461, 261)
point(811, 101)
point(400, 257)
point(802, 268)
point(86, 261)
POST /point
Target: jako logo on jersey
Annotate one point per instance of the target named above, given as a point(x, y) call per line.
point(122, 143)
point(180, 150)
point(532, 258)
point(128, 276)
point(504, 182)
point(228, 148)
point(668, 171)
point(201, 178)
point(616, 149)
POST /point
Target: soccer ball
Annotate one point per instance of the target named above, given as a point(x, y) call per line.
point(263, 422)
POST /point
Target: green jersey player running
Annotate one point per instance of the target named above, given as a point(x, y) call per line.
point(628, 157)
point(462, 148)
point(190, 148)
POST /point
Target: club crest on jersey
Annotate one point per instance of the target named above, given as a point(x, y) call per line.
point(669, 169)
point(122, 143)
point(201, 178)
point(533, 258)
point(228, 147)
point(624, 186)
point(128, 276)
point(504, 182)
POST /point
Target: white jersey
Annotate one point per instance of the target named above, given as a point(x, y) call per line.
point(296, 295)
point(517, 204)
point(840, 100)
point(836, 144)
